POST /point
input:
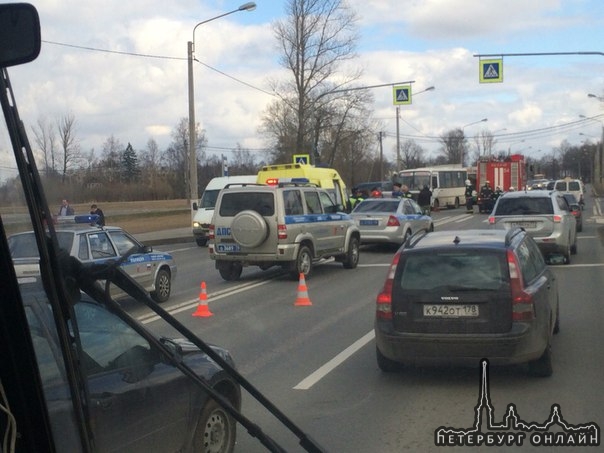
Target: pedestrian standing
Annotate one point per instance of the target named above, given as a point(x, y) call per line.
point(397, 191)
point(469, 194)
point(424, 199)
point(95, 210)
point(66, 208)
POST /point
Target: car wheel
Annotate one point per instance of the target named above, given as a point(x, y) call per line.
point(456, 203)
point(163, 285)
point(573, 248)
point(557, 323)
point(431, 228)
point(407, 236)
point(249, 229)
point(216, 430)
point(352, 256)
point(542, 367)
point(202, 242)
point(436, 205)
point(230, 271)
point(385, 364)
point(567, 253)
point(302, 264)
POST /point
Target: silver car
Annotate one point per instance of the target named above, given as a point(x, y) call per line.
point(152, 269)
point(546, 217)
point(389, 220)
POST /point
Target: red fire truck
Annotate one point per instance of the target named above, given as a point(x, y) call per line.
point(503, 174)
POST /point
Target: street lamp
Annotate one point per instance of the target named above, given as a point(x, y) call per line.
point(398, 136)
point(513, 143)
point(193, 194)
point(463, 136)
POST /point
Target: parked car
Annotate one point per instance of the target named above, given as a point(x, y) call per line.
point(455, 297)
point(291, 224)
point(389, 220)
point(545, 215)
point(138, 399)
point(575, 209)
point(90, 243)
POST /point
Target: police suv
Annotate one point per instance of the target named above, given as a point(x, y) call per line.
point(291, 224)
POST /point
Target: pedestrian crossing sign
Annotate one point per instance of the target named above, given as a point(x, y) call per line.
point(402, 94)
point(491, 71)
point(302, 159)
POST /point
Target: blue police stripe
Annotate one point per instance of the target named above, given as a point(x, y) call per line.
point(315, 218)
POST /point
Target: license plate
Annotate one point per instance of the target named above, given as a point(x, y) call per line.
point(451, 311)
point(369, 222)
point(227, 248)
point(524, 224)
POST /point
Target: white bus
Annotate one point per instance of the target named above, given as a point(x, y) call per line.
point(447, 183)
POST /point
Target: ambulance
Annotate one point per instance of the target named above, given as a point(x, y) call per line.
point(326, 178)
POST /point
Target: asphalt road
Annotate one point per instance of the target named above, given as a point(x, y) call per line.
point(317, 363)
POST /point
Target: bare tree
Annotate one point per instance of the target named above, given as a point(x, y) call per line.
point(454, 147)
point(70, 148)
point(485, 144)
point(177, 154)
point(45, 138)
point(315, 38)
point(411, 154)
point(110, 158)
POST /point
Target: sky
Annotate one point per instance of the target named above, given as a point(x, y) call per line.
point(120, 68)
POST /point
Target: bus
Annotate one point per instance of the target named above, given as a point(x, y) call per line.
point(447, 183)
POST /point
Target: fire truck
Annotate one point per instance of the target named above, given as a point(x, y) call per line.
point(503, 174)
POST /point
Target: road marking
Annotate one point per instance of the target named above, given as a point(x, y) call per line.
point(374, 265)
point(324, 370)
point(151, 317)
point(455, 218)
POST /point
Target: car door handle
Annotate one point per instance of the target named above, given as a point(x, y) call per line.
point(106, 400)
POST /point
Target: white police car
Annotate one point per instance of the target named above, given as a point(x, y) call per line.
point(89, 243)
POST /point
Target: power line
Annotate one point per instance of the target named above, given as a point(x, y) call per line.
point(160, 57)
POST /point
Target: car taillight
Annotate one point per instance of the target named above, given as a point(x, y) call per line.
point(393, 221)
point(557, 218)
point(383, 302)
point(211, 232)
point(523, 308)
point(282, 231)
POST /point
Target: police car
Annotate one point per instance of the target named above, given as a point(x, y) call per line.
point(89, 243)
point(389, 220)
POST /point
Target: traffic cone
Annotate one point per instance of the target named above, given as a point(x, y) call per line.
point(302, 298)
point(202, 308)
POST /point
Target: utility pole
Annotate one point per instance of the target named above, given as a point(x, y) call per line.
point(381, 156)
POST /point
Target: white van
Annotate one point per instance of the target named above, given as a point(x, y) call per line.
point(570, 185)
point(205, 209)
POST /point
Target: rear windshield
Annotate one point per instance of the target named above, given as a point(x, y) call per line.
point(25, 246)
point(524, 206)
point(261, 202)
point(378, 206)
point(465, 270)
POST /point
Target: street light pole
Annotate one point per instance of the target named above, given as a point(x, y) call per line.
point(193, 193)
point(463, 136)
point(398, 136)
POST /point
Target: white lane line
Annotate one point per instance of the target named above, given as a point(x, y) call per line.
point(324, 370)
point(151, 317)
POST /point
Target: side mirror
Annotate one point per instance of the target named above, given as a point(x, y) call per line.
point(195, 207)
point(19, 34)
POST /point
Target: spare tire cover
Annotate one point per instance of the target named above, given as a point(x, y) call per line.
point(249, 229)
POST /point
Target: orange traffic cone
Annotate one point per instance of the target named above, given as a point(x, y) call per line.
point(202, 309)
point(302, 299)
